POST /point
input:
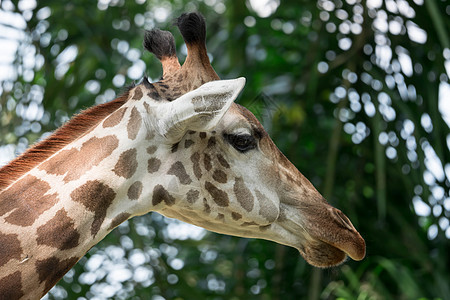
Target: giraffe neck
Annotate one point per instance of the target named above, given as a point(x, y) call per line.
point(53, 214)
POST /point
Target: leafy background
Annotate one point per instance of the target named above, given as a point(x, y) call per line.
point(354, 92)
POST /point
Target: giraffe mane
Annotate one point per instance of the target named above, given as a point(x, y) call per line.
point(69, 132)
point(162, 44)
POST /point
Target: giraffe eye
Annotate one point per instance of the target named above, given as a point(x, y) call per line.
point(241, 142)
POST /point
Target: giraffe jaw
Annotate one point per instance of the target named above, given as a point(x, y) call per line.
point(317, 248)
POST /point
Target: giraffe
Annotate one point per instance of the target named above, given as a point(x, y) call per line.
point(180, 147)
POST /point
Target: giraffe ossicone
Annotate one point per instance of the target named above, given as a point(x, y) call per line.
point(180, 147)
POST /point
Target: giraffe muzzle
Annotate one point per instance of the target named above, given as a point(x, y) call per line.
point(332, 238)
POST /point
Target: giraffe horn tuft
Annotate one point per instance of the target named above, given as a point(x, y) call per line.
point(162, 44)
point(159, 42)
point(192, 27)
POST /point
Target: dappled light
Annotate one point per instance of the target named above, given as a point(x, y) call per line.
point(355, 93)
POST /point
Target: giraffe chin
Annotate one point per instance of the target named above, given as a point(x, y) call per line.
point(323, 255)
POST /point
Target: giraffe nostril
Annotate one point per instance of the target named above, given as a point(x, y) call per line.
point(342, 219)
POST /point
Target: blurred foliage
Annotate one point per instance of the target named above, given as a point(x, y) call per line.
point(348, 91)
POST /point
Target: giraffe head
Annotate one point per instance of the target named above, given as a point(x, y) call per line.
point(217, 166)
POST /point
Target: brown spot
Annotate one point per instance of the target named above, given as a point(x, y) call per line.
point(59, 232)
point(96, 197)
point(175, 147)
point(188, 143)
point(11, 286)
point(114, 118)
point(51, 270)
point(74, 162)
point(26, 200)
point(134, 124)
point(249, 224)
point(119, 219)
point(191, 132)
point(266, 207)
point(192, 196)
point(135, 190)
point(127, 164)
point(220, 217)
point(219, 196)
point(137, 94)
point(179, 171)
point(150, 135)
point(211, 142)
point(283, 216)
point(243, 194)
point(236, 216)
point(202, 135)
point(206, 206)
point(160, 194)
point(220, 176)
point(151, 149)
point(147, 107)
point(222, 161)
point(195, 158)
point(153, 165)
point(154, 95)
point(207, 162)
point(265, 227)
point(9, 248)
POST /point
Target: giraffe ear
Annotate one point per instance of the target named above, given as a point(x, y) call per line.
point(198, 110)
